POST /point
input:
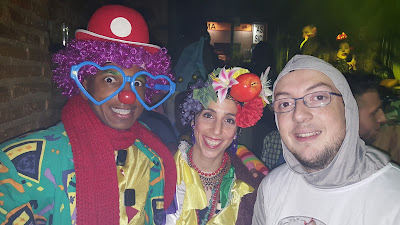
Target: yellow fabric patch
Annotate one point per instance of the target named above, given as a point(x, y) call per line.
point(137, 165)
point(195, 197)
point(3, 211)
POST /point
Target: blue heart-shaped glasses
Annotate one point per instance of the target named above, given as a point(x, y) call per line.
point(171, 87)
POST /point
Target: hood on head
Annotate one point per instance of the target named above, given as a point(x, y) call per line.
point(354, 160)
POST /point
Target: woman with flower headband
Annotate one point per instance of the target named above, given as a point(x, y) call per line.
point(208, 189)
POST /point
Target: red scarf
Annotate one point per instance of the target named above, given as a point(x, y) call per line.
point(93, 144)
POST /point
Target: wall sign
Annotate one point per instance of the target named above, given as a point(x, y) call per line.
point(243, 27)
point(218, 26)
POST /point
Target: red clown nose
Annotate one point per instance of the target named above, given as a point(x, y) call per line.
point(127, 97)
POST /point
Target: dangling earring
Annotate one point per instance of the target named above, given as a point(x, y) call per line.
point(193, 138)
point(233, 148)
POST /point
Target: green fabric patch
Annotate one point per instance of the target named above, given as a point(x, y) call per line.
point(205, 95)
point(226, 186)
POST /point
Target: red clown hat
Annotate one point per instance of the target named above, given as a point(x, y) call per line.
point(118, 24)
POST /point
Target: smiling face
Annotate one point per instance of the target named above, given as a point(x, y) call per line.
point(344, 51)
point(371, 115)
point(313, 135)
point(114, 113)
point(214, 130)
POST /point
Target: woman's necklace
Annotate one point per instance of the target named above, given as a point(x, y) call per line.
point(210, 181)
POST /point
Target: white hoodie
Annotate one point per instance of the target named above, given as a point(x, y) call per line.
point(359, 186)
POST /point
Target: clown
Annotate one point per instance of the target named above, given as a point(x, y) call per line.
point(342, 55)
point(99, 165)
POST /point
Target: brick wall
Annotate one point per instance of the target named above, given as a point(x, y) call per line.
point(27, 98)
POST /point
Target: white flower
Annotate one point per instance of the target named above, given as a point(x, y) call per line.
point(224, 81)
point(266, 84)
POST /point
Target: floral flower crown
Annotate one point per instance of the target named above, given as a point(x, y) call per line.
point(341, 36)
point(248, 91)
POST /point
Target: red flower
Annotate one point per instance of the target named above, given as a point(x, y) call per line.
point(249, 113)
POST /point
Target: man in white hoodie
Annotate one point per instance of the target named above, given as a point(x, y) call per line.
point(331, 176)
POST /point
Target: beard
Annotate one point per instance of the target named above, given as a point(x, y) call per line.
point(322, 159)
point(369, 140)
point(319, 162)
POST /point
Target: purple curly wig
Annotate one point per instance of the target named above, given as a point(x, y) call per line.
point(100, 52)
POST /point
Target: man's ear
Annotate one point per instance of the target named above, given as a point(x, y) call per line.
point(84, 84)
point(314, 30)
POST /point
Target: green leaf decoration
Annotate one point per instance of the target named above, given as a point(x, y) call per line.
point(269, 99)
point(216, 71)
point(205, 95)
point(214, 74)
point(392, 112)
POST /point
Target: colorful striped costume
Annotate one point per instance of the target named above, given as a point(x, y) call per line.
point(250, 160)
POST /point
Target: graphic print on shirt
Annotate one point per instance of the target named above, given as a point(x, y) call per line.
point(300, 220)
point(27, 157)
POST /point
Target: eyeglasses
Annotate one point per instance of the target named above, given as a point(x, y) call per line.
point(170, 87)
point(312, 100)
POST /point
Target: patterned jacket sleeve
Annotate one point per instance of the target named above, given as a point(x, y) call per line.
point(10, 185)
